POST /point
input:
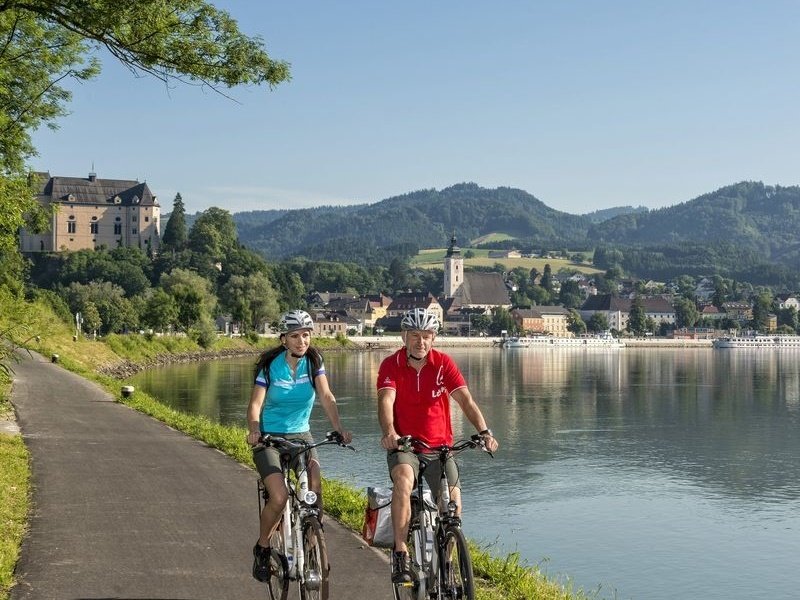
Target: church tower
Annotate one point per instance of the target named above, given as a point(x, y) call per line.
point(453, 269)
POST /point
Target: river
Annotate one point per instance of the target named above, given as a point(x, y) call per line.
point(656, 474)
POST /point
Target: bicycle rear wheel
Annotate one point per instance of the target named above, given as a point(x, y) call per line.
point(314, 585)
point(456, 570)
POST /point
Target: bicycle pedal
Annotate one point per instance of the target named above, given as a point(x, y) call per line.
point(405, 584)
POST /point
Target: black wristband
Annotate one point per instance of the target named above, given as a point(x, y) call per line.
point(486, 432)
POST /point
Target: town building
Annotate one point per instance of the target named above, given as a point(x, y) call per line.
point(92, 212)
point(468, 293)
point(548, 320)
point(617, 310)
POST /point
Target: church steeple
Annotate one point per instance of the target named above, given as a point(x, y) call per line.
point(453, 268)
point(453, 249)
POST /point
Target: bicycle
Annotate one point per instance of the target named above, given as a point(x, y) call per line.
point(441, 565)
point(298, 545)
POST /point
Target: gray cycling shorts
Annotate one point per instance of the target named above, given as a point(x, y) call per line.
point(432, 470)
point(268, 459)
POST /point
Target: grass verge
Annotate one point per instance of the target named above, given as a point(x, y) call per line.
point(14, 490)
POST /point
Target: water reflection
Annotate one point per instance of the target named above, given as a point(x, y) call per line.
point(624, 466)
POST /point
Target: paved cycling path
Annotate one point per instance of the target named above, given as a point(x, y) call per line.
point(125, 507)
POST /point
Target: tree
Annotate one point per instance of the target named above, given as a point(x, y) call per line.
point(597, 322)
point(575, 323)
point(501, 320)
point(637, 319)
point(160, 311)
point(48, 42)
point(175, 235)
point(686, 313)
point(570, 295)
point(761, 311)
point(192, 295)
point(251, 300)
point(547, 279)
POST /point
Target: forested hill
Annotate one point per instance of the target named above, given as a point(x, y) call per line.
point(758, 218)
point(421, 219)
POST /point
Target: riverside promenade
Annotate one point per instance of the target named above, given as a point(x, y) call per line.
point(125, 507)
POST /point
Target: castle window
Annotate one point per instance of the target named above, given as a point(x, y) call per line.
point(133, 230)
point(117, 228)
point(71, 227)
point(93, 228)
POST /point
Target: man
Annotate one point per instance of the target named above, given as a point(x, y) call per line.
point(415, 385)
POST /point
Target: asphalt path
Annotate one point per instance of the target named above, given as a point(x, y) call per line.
point(125, 507)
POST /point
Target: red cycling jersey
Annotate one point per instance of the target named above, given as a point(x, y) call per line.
point(422, 401)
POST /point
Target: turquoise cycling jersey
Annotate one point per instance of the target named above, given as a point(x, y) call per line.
point(289, 399)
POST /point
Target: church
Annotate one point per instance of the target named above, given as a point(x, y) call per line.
point(468, 293)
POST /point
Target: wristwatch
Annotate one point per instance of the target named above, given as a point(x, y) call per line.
point(486, 432)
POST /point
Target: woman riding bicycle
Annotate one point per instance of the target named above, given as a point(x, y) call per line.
point(288, 379)
point(414, 389)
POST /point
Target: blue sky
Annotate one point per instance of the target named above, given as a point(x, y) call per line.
point(585, 105)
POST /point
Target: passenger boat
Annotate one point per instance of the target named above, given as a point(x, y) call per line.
point(600, 340)
point(516, 342)
point(758, 341)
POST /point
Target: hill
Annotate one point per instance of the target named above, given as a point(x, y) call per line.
point(747, 230)
point(421, 219)
point(761, 222)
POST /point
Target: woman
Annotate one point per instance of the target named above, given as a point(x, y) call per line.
point(288, 379)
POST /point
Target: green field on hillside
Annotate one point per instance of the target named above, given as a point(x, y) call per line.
point(433, 258)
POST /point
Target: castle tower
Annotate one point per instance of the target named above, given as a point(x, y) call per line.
point(453, 269)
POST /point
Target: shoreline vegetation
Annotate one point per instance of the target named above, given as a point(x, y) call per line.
point(500, 578)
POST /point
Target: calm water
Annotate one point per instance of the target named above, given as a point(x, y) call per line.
point(649, 474)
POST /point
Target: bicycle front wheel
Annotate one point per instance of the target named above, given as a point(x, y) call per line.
point(314, 584)
point(456, 567)
point(278, 583)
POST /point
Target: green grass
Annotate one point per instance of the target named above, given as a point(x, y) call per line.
point(14, 506)
point(434, 259)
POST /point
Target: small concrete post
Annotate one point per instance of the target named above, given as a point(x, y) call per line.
point(127, 391)
point(54, 358)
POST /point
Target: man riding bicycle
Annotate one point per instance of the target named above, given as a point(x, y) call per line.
point(415, 385)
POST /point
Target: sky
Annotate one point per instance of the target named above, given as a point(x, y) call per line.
point(584, 104)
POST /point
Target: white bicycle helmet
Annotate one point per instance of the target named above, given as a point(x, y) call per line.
point(294, 320)
point(421, 319)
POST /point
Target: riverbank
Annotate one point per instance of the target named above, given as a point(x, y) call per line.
point(501, 578)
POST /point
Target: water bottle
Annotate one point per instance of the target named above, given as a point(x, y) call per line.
point(290, 562)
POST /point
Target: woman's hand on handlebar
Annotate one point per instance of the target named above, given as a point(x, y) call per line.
point(345, 436)
point(253, 437)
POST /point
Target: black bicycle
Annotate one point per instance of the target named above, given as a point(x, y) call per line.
point(298, 545)
point(441, 565)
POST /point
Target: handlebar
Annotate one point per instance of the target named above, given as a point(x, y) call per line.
point(332, 437)
point(408, 443)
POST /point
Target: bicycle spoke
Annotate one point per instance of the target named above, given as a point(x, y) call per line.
point(456, 574)
point(314, 585)
point(278, 583)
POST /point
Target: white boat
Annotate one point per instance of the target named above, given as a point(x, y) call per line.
point(758, 341)
point(516, 342)
point(600, 340)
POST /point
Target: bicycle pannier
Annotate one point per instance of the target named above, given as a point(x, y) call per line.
point(378, 518)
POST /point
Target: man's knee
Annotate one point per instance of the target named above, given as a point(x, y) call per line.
point(403, 479)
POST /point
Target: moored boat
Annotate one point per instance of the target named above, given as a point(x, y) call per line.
point(758, 341)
